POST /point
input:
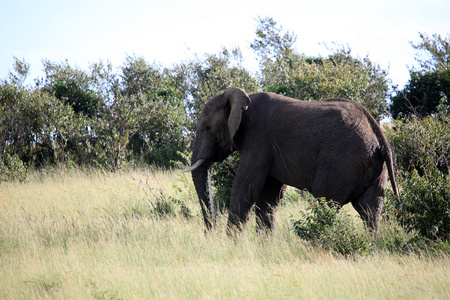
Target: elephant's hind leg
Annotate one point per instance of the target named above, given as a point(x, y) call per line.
point(267, 205)
point(370, 204)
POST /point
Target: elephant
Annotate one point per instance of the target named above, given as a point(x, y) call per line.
point(333, 148)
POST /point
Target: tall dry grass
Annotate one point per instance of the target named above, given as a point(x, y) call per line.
point(74, 234)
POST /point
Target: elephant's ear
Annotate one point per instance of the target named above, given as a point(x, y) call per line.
point(238, 101)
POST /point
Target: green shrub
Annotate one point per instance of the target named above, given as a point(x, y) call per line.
point(155, 203)
point(12, 168)
point(422, 149)
point(222, 179)
point(421, 143)
point(424, 203)
point(323, 225)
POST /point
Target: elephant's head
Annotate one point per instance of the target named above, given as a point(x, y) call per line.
point(216, 128)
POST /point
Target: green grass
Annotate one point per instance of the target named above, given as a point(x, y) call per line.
point(94, 235)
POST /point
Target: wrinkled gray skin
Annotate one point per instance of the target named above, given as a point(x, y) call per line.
point(333, 148)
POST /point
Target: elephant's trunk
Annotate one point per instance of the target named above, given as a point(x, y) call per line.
point(201, 176)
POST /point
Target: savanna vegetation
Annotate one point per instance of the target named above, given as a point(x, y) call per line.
point(92, 206)
point(94, 234)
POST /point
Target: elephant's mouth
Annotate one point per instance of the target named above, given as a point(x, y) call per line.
point(221, 156)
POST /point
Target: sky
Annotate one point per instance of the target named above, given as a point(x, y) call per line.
point(168, 32)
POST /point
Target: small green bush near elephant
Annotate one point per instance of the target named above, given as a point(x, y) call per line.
point(139, 234)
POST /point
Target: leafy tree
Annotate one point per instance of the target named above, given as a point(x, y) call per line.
point(87, 94)
point(138, 76)
point(205, 79)
point(285, 71)
point(421, 143)
point(276, 55)
point(340, 75)
point(157, 103)
point(270, 43)
point(20, 74)
point(35, 125)
point(113, 131)
point(433, 53)
point(428, 90)
point(72, 86)
point(160, 132)
point(421, 97)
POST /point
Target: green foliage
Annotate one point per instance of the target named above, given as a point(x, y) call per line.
point(73, 87)
point(146, 114)
point(422, 148)
point(166, 206)
point(393, 237)
point(420, 144)
point(82, 101)
point(343, 76)
point(424, 204)
point(159, 119)
point(21, 69)
point(93, 118)
point(269, 42)
point(428, 90)
point(157, 204)
point(36, 126)
point(324, 226)
point(437, 52)
point(222, 178)
point(12, 168)
point(205, 79)
point(340, 75)
point(160, 134)
point(426, 93)
point(138, 76)
point(292, 195)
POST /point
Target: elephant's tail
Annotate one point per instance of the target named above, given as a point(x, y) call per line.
point(390, 166)
point(386, 150)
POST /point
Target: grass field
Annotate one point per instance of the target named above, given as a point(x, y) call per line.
point(68, 234)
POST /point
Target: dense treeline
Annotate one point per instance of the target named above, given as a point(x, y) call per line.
point(95, 117)
point(142, 113)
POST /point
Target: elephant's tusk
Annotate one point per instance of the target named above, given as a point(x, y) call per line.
point(197, 164)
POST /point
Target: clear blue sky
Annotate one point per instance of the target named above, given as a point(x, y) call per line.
point(171, 31)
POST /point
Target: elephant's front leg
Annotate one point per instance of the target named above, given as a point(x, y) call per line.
point(267, 205)
point(247, 186)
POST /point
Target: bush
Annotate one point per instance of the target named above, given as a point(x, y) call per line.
point(422, 148)
point(325, 226)
point(421, 143)
point(222, 179)
point(12, 168)
point(157, 204)
point(424, 204)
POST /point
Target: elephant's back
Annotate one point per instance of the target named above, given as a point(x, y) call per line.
point(335, 132)
point(328, 123)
